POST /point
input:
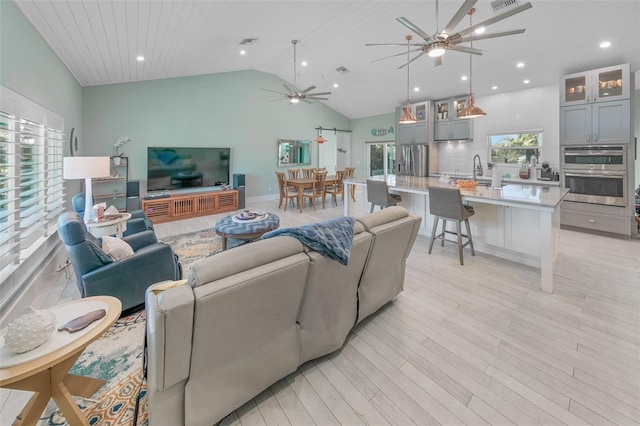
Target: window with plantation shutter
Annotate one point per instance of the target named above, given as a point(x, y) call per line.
point(31, 185)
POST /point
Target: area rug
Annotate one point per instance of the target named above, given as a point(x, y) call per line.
point(197, 245)
point(115, 357)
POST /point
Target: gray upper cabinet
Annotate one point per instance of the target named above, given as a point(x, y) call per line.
point(414, 133)
point(599, 123)
point(447, 126)
point(600, 85)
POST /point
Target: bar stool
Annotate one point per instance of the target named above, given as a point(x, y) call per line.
point(378, 195)
point(446, 204)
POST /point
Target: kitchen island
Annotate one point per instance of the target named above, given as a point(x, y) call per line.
point(520, 223)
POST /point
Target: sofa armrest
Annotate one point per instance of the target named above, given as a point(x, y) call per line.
point(134, 226)
point(169, 334)
point(140, 239)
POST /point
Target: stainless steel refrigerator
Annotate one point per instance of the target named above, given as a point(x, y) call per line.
point(413, 160)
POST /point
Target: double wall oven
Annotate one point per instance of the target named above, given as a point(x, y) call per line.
point(595, 174)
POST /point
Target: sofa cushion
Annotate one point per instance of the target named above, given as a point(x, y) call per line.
point(383, 216)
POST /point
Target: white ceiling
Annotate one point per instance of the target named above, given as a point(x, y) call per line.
point(98, 40)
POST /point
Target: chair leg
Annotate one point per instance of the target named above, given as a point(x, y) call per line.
point(280, 202)
point(433, 233)
point(458, 226)
point(286, 202)
point(444, 231)
point(466, 222)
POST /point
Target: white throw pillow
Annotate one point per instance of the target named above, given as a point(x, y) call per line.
point(116, 248)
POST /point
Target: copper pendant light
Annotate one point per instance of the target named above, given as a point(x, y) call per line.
point(407, 116)
point(471, 111)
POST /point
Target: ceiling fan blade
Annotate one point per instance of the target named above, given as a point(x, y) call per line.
point(273, 91)
point(485, 36)
point(465, 49)
point(397, 54)
point(278, 100)
point(394, 44)
point(414, 58)
point(306, 101)
point(319, 93)
point(288, 88)
point(308, 89)
point(495, 19)
point(407, 23)
point(455, 19)
point(318, 99)
point(437, 61)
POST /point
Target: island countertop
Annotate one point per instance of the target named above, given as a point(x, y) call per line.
point(524, 196)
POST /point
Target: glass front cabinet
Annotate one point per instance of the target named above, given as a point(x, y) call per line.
point(447, 126)
point(600, 85)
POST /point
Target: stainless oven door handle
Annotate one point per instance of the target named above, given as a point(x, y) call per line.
point(593, 153)
point(612, 175)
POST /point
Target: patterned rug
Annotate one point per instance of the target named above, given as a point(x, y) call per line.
point(115, 357)
point(197, 245)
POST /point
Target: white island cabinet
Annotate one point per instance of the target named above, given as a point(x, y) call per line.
point(518, 222)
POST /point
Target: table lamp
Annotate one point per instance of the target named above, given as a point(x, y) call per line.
point(86, 168)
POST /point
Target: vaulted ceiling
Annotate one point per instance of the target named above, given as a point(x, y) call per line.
point(99, 40)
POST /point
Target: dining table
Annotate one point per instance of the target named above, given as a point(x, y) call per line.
point(301, 183)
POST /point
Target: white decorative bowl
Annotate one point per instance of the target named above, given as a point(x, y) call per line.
point(30, 330)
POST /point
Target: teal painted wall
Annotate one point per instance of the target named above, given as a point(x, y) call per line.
point(218, 110)
point(31, 68)
point(361, 133)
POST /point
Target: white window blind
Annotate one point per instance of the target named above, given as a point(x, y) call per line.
point(31, 185)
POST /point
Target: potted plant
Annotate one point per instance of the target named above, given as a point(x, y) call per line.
point(117, 158)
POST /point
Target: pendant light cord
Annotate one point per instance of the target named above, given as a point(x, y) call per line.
point(295, 89)
point(471, 11)
point(408, 61)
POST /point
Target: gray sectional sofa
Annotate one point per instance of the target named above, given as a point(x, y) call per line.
point(249, 316)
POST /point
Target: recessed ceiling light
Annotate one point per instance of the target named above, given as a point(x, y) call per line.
point(494, 87)
point(243, 52)
point(527, 81)
point(480, 30)
point(605, 44)
point(140, 58)
point(335, 85)
point(464, 78)
point(416, 89)
point(520, 64)
point(304, 63)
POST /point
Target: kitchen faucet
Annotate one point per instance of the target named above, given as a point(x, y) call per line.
point(478, 171)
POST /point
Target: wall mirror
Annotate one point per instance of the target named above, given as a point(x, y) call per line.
point(293, 152)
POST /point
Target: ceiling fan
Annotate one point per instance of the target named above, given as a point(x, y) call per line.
point(295, 95)
point(436, 45)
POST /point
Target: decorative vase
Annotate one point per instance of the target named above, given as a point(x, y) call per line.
point(30, 330)
point(116, 161)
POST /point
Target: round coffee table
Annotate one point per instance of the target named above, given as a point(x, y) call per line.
point(250, 230)
point(45, 369)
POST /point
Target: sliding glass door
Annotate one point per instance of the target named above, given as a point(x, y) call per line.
point(380, 158)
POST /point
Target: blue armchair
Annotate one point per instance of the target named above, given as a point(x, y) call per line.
point(138, 222)
point(128, 278)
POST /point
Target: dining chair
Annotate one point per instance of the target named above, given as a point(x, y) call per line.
point(286, 193)
point(378, 194)
point(316, 190)
point(293, 173)
point(446, 204)
point(351, 172)
point(307, 173)
point(337, 187)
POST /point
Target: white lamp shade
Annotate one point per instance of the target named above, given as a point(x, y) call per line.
point(85, 167)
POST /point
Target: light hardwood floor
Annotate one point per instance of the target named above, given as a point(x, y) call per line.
point(474, 344)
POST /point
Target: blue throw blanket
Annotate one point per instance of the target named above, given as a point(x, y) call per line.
point(331, 238)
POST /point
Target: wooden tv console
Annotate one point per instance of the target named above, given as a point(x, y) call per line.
point(185, 206)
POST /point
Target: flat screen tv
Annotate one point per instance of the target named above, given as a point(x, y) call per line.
point(175, 168)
